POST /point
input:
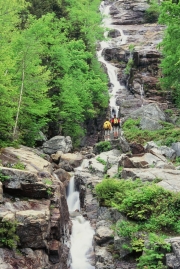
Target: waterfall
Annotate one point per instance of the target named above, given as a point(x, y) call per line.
point(142, 93)
point(82, 232)
point(111, 70)
point(72, 197)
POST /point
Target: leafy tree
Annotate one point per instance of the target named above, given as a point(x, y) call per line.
point(170, 16)
point(8, 20)
point(48, 74)
point(42, 7)
point(30, 79)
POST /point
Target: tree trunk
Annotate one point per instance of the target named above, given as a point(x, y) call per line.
point(20, 99)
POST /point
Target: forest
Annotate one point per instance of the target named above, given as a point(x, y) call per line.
point(50, 76)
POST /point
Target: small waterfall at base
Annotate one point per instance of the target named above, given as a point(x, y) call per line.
point(82, 232)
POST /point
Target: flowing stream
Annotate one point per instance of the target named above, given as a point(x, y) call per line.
point(82, 232)
point(111, 70)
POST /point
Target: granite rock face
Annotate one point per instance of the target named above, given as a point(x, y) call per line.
point(35, 199)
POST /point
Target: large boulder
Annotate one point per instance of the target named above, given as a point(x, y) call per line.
point(150, 116)
point(104, 234)
point(74, 159)
point(176, 148)
point(152, 147)
point(170, 179)
point(58, 143)
point(32, 159)
point(28, 259)
point(23, 183)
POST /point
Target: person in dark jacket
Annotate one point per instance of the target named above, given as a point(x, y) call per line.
point(115, 122)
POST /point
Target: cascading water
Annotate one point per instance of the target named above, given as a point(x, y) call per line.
point(111, 70)
point(82, 232)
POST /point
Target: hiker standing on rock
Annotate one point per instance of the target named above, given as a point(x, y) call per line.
point(116, 126)
point(107, 128)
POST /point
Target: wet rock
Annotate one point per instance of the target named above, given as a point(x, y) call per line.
point(113, 33)
point(104, 257)
point(54, 251)
point(63, 176)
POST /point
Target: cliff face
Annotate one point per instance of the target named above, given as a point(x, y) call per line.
point(34, 199)
point(137, 57)
point(132, 47)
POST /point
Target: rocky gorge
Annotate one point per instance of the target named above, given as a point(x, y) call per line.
point(33, 182)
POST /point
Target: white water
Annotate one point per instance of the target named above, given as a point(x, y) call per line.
point(72, 197)
point(111, 70)
point(82, 233)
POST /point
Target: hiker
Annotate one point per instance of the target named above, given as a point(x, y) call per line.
point(107, 128)
point(116, 126)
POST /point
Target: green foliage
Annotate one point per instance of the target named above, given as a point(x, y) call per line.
point(47, 181)
point(149, 209)
point(103, 146)
point(42, 7)
point(167, 135)
point(118, 175)
point(152, 13)
point(153, 254)
point(169, 140)
point(170, 49)
point(49, 192)
point(3, 177)
point(177, 161)
point(129, 66)
point(156, 208)
point(8, 237)
point(131, 47)
point(19, 166)
point(49, 71)
point(101, 160)
point(169, 112)
point(110, 190)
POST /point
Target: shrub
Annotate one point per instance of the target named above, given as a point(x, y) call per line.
point(101, 160)
point(19, 166)
point(103, 146)
point(153, 253)
point(167, 135)
point(3, 177)
point(111, 191)
point(8, 236)
point(129, 66)
point(152, 13)
point(156, 208)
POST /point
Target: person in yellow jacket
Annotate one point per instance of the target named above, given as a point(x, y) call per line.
point(107, 128)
